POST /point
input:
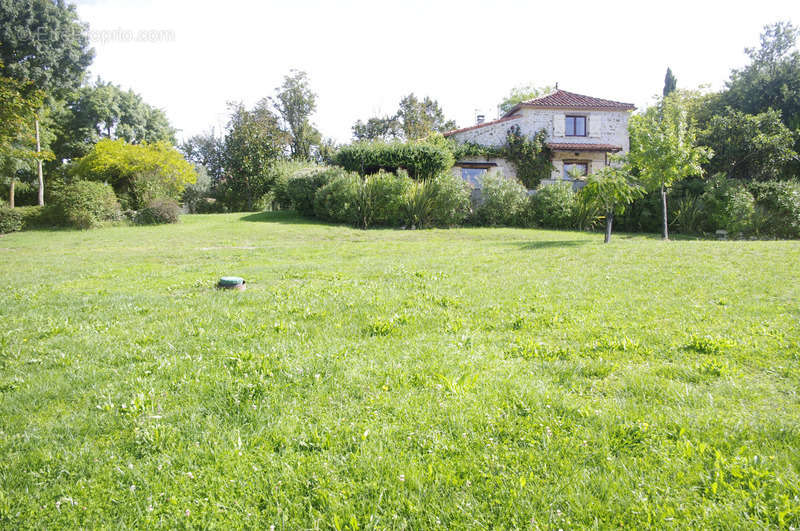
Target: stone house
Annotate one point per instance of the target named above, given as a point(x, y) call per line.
point(581, 132)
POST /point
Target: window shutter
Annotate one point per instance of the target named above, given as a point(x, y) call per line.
point(558, 124)
point(595, 125)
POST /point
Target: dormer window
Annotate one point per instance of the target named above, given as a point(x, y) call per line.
point(575, 126)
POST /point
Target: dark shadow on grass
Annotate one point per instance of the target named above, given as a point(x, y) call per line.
point(282, 216)
point(547, 244)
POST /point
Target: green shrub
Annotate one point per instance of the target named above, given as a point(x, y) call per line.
point(418, 205)
point(10, 220)
point(302, 187)
point(209, 205)
point(778, 207)
point(727, 204)
point(338, 201)
point(147, 187)
point(156, 165)
point(420, 160)
point(194, 194)
point(553, 206)
point(37, 217)
point(450, 201)
point(502, 201)
point(86, 204)
point(158, 211)
point(739, 212)
point(283, 171)
point(382, 200)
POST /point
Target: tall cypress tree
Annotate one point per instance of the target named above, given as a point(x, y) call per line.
point(670, 82)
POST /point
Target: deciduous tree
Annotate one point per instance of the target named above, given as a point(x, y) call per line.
point(296, 103)
point(104, 110)
point(520, 94)
point(415, 119)
point(253, 140)
point(611, 190)
point(44, 42)
point(664, 149)
point(749, 146)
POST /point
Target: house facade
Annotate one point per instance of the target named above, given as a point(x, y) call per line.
point(581, 132)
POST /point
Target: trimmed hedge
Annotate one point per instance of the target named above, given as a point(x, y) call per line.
point(421, 161)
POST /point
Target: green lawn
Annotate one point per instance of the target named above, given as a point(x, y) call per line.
point(468, 378)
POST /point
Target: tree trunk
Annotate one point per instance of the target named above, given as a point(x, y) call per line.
point(609, 223)
point(11, 192)
point(664, 211)
point(39, 164)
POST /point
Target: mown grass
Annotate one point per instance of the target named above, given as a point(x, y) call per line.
point(497, 378)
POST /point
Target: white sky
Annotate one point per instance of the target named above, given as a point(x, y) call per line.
point(362, 57)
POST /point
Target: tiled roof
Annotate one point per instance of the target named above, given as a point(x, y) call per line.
point(574, 146)
point(484, 124)
point(561, 99)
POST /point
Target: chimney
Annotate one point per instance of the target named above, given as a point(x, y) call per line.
point(481, 118)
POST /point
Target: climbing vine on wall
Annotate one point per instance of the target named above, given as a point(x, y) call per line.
point(529, 155)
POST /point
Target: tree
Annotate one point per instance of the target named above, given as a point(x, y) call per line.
point(207, 150)
point(378, 128)
point(670, 83)
point(611, 190)
point(749, 146)
point(295, 102)
point(771, 80)
point(520, 94)
point(419, 118)
point(43, 42)
point(138, 172)
point(663, 149)
point(415, 119)
point(253, 140)
point(104, 110)
point(18, 104)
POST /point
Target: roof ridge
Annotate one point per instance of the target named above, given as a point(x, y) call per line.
point(484, 124)
point(561, 98)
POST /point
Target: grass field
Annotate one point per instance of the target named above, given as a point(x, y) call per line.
point(470, 378)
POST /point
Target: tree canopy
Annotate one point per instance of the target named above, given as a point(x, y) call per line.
point(254, 139)
point(295, 102)
point(520, 94)
point(134, 170)
point(664, 148)
point(415, 119)
point(104, 110)
point(44, 42)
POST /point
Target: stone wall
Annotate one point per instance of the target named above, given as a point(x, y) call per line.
point(604, 127)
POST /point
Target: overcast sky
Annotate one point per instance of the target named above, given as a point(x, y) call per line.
point(190, 57)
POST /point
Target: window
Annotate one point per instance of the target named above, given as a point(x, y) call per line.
point(474, 176)
point(575, 126)
point(570, 167)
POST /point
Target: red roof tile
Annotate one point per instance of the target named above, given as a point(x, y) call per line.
point(484, 124)
point(561, 99)
point(574, 146)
